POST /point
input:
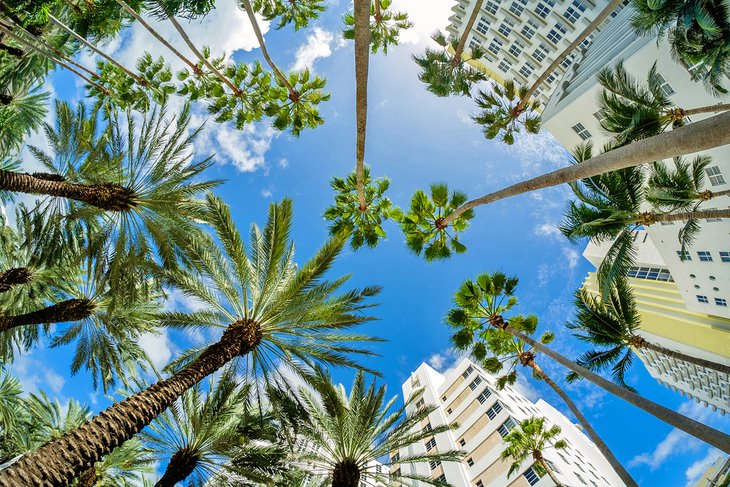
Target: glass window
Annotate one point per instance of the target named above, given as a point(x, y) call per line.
point(573, 12)
point(542, 10)
point(420, 403)
point(504, 65)
point(468, 371)
point(556, 33)
point(715, 175)
point(568, 61)
point(442, 477)
point(684, 256)
point(470, 461)
point(516, 48)
point(491, 7)
point(516, 8)
point(493, 411)
point(702, 299)
point(527, 69)
point(529, 29)
point(664, 85)
point(531, 476)
point(475, 383)
point(505, 28)
point(582, 132)
point(725, 256)
point(462, 442)
point(484, 395)
point(435, 464)
point(495, 46)
point(483, 25)
point(704, 256)
point(431, 444)
point(505, 428)
point(721, 302)
point(479, 483)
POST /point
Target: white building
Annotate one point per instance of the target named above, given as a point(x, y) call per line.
point(467, 395)
point(521, 38)
point(666, 321)
point(572, 116)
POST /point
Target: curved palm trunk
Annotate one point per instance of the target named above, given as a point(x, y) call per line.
point(346, 474)
point(639, 342)
point(550, 472)
point(719, 107)
point(362, 58)
point(109, 196)
point(701, 431)
point(14, 277)
point(65, 311)
point(59, 461)
point(157, 36)
point(293, 95)
point(467, 30)
point(181, 465)
point(587, 427)
point(649, 218)
point(566, 52)
point(88, 478)
point(695, 137)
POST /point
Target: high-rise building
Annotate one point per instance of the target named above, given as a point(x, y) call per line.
point(666, 321)
point(522, 38)
point(466, 395)
point(717, 474)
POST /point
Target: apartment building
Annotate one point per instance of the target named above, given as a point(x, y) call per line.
point(466, 395)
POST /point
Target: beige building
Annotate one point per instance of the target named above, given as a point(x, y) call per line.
point(466, 395)
point(717, 474)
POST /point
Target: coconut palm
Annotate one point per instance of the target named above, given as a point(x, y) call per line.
point(274, 314)
point(300, 12)
point(476, 319)
point(698, 32)
point(530, 439)
point(445, 74)
point(350, 432)
point(22, 109)
point(613, 323)
point(385, 27)
point(631, 110)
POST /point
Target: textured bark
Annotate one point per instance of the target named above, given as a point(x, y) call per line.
point(61, 460)
point(109, 196)
point(719, 107)
point(695, 137)
point(65, 311)
point(711, 436)
point(181, 465)
point(587, 427)
point(87, 478)
point(362, 59)
point(465, 35)
point(650, 218)
point(723, 369)
point(549, 471)
point(346, 474)
point(14, 277)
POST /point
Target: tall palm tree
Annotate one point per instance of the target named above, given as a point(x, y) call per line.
point(274, 314)
point(445, 74)
point(698, 32)
point(22, 109)
point(300, 12)
point(631, 110)
point(530, 439)
point(612, 323)
point(362, 61)
point(479, 306)
point(385, 26)
point(350, 432)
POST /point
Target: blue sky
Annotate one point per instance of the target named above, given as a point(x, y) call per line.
point(415, 139)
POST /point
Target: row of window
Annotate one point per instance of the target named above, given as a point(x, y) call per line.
point(718, 301)
point(650, 273)
point(704, 256)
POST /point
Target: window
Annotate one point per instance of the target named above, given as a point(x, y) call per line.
point(431, 444)
point(702, 299)
point(715, 175)
point(542, 10)
point(528, 30)
point(415, 382)
point(442, 477)
point(482, 25)
point(540, 52)
point(468, 371)
point(427, 428)
point(556, 33)
point(516, 48)
point(462, 442)
point(586, 42)
point(491, 7)
point(485, 394)
point(582, 132)
point(650, 273)
point(550, 78)
point(494, 47)
point(470, 461)
point(568, 61)
point(396, 474)
point(527, 69)
point(505, 428)
point(443, 398)
point(531, 476)
point(724, 256)
point(493, 411)
point(395, 458)
point(449, 411)
point(504, 65)
point(420, 403)
point(479, 483)
point(721, 302)
point(516, 8)
point(664, 85)
point(704, 256)
point(435, 464)
point(475, 383)
point(573, 12)
point(505, 28)
point(684, 256)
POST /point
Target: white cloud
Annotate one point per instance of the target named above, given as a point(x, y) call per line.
point(536, 153)
point(427, 17)
point(176, 300)
point(549, 230)
point(245, 149)
point(543, 275)
point(283, 163)
point(571, 257)
point(436, 361)
point(266, 193)
point(695, 470)
point(158, 348)
point(317, 46)
point(34, 375)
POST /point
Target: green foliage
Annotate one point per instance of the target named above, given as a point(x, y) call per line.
point(297, 109)
point(363, 226)
point(502, 114)
point(21, 115)
point(421, 224)
point(530, 439)
point(189, 9)
point(300, 12)
point(446, 74)
point(385, 26)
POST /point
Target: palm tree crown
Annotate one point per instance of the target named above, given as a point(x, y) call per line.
point(532, 438)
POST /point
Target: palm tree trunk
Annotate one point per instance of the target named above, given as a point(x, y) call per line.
point(65, 311)
point(719, 107)
point(649, 218)
point(293, 95)
point(196, 70)
point(181, 465)
point(587, 427)
point(88, 478)
point(467, 30)
point(711, 436)
point(694, 137)
point(378, 13)
point(550, 472)
point(362, 58)
point(72, 33)
point(346, 473)
point(14, 277)
point(108, 196)
point(608, 10)
point(641, 343)
point(59, 461)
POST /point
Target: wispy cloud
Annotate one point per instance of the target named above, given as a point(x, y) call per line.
point(317, 46)
point(695, 471)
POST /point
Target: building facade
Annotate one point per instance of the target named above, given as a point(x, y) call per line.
point(716, 474)
point(466, 395)
point(521, 38)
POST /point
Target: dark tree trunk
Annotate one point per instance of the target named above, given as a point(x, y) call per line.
point(6, 99)
point(87, 478)
point(362, 58)
point(69, 310)
point(181, 465)
point(14, 277)
point(108, 196)
point(59, 461)
point(346, 474)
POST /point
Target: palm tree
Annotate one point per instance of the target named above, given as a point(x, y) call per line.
point(479, 307)
point(350, 432)
point(199, 433)
point(631, 110)
point(532, 438)
point(300, 12)
point(695, 137)
point(445, 74)
point(385, 27)
point(698, 31)
point(22, 109)
point(612, 323)
point(362, 61)
point(274, 314)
